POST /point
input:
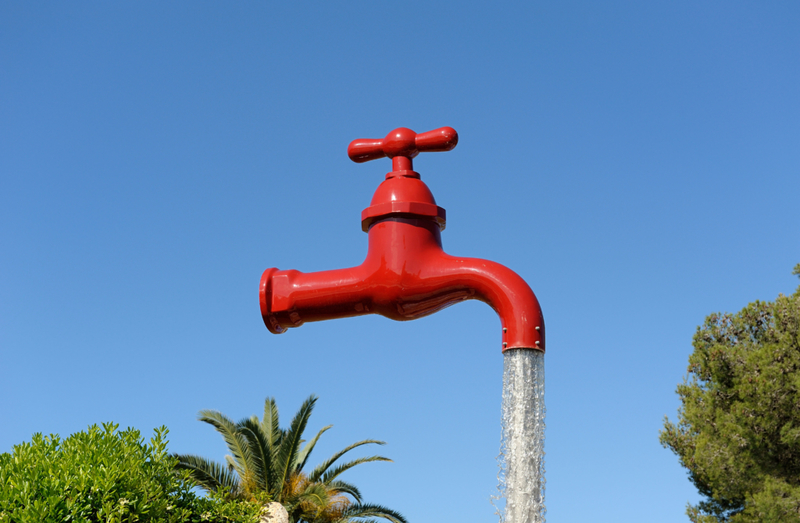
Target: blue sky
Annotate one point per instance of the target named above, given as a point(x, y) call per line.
point(636, 162)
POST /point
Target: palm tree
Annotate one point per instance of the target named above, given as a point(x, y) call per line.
point(266, 464)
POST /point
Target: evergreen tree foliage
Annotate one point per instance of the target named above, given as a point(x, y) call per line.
point(738, 429)
point(266, 464)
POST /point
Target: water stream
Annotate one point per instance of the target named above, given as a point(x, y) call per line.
point(521, 459)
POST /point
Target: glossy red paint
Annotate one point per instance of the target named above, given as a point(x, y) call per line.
point(406, 274)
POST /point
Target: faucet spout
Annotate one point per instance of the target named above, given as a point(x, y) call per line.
point(406, 275)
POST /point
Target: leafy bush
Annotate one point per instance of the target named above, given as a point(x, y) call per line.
point(102, 474)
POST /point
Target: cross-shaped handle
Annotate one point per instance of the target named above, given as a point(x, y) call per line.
point(401, 145)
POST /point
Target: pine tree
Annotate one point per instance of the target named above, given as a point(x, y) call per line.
point(738, 429)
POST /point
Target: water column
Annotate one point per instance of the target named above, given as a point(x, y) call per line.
point(521, 459)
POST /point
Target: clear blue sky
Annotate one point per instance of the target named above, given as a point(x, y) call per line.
point(636, 162)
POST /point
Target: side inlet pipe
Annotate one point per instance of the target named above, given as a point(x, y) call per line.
point(406, 274)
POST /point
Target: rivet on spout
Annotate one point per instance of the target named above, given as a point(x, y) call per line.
point(506, 330)
point(505, 345)
point(537, 342)
point(538, 328)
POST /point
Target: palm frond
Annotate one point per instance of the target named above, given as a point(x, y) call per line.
point(270, 423)
point(315, 494)
point(320, 469)
point(341, 487)
point(302, 498)
point(237, 444)
point(209, 475)
point(290, 442)
point(330, 475)
point(253, 432)
point(369, 510)
point(302, 456)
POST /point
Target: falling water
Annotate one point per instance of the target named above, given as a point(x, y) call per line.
point(521, 459)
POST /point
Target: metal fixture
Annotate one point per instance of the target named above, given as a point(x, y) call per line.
point(406, 274)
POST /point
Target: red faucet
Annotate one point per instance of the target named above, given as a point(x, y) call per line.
point(406, 274)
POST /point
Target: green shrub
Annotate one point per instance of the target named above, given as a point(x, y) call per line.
point(102, 474)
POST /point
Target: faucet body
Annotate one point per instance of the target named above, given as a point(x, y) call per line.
point(406, 273)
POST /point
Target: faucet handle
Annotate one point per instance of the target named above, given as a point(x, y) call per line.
point(401, 145)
